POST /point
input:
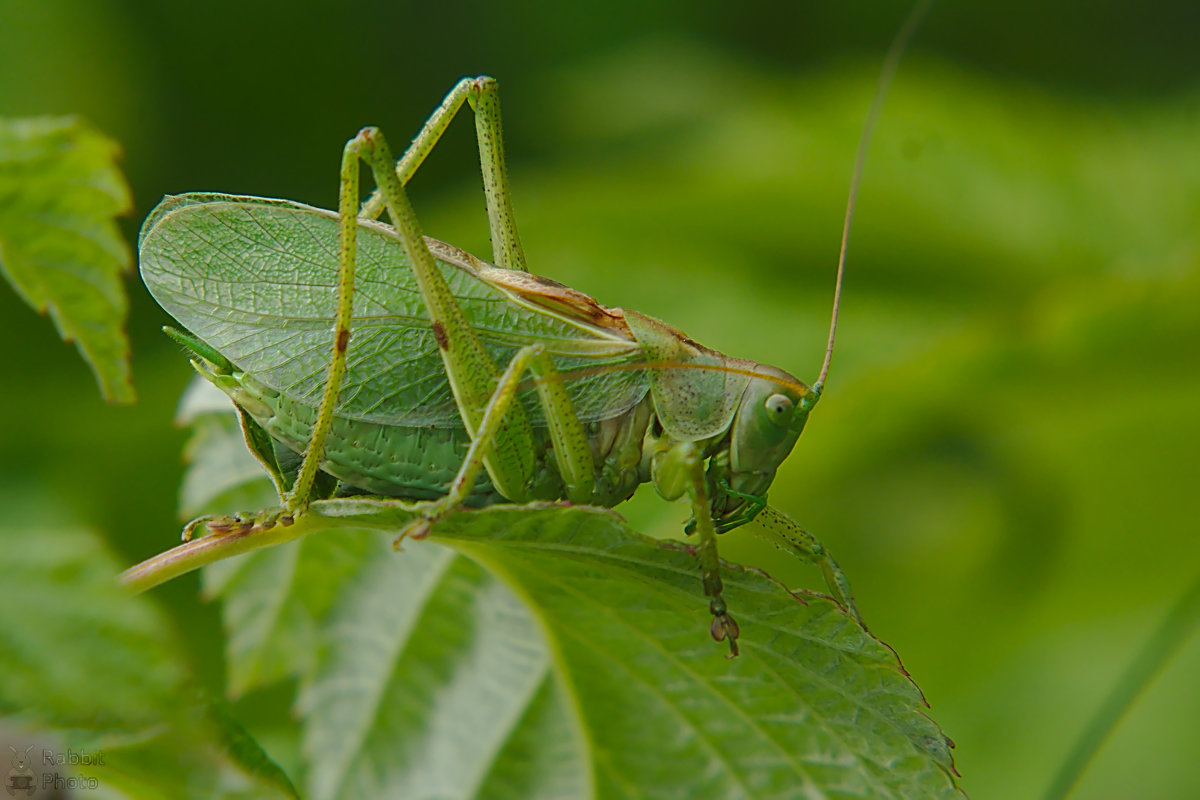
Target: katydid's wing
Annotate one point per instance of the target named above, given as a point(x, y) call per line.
point(256, 278)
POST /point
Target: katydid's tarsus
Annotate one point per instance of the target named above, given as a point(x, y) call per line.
point(456, 382)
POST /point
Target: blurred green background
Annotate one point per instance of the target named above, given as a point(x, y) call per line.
point(1007, 455)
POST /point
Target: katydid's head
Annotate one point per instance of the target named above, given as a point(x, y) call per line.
point(768, 421)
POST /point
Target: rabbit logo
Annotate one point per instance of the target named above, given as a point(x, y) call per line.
point(20, 778)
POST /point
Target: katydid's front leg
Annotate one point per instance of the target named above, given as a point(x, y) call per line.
point(723, 625)
point(677, 470)
point(784, 533)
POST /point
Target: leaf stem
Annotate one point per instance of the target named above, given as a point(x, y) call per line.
point(363, 513)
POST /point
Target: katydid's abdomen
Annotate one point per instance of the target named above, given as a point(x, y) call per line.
point(390, 460)
point(420, 462)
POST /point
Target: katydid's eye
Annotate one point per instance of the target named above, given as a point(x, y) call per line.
point(779, 409)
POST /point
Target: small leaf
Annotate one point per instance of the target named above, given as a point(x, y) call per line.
point(59, 246)
point(78, 650)
point(245, 751)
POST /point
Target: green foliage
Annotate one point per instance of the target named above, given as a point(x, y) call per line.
point(1006, 456)
point(59, 246)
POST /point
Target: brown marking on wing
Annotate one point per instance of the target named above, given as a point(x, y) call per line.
point(550, 295)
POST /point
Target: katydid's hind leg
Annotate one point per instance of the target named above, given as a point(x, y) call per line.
point(240, 522)
point(282, 465)
point(472, 373)
point(785, 534)
point(470, 367)
point(369, 145)
point(506, 242)
point(483, 96)
point(422, 145)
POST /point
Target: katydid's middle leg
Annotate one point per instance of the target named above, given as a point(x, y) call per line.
point(723, 625)
point(571, 449)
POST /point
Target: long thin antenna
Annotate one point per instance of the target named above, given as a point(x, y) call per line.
point(890, 63)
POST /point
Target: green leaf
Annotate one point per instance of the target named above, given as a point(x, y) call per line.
point(245, 751)
point(78, 650)
point(59, 246)
point(270, 638)
point(553, 652)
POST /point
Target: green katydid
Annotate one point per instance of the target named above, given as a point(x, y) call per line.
point(425, 394)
